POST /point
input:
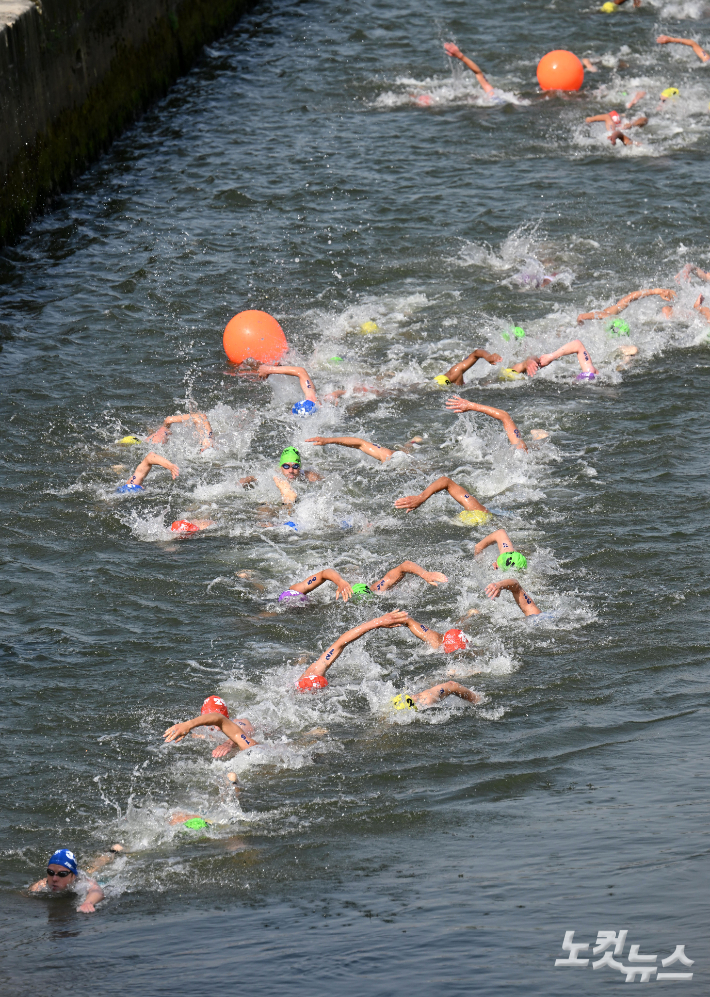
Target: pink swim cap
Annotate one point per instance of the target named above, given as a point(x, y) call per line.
point(182, 526)
point(311, 682)
point(615, 116)
point(213, 704)
point(455, 640)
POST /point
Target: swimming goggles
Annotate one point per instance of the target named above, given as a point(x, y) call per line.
point(61, 875)
point(288, 467)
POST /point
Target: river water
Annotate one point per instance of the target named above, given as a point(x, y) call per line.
point(296, 170)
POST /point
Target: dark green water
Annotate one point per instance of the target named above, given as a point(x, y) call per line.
point(294, 171)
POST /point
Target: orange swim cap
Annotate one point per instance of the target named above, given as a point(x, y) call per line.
point(455, 640)
point(615, 116)
point(213, 704)
point(311, 682)
point(182, 526)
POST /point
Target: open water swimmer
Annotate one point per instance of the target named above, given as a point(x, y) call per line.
point(289, 473)
point(310, 404)
point(135, 482)
point(199, 421)
point(508, 556)
point(616, 126)
point(698, 49)
point(454, 375)
point(238, 736)
point(64, 877)
point(474, 513)
point(227, 748)
point(299, 590)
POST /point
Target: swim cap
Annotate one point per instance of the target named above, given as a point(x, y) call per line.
point(183, 526)
point(608, 8)
point(290, 456)
point(518, 332)
point(311, 682)
point(66, 859)
point(670, 92)
point(474, 517)
point(360, 588)
point(618, 327)
point(290, 594)
point(615, 116)
point(403, 701)
point(586, 375)
point(195, 823)
point(129, 488)
point(455, 640)
point(304, 408)
point(128, 441)
point(213, 704)
point(335, 360)
point(369, 327)
point(290, 522)
point(442, 379)
point(512, 560)
point(508, 374)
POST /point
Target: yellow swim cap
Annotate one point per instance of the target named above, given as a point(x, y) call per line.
point(670, 92)
point(128, 441)
point(508, 374)
point(369, 327)
point(607, 8)
point(474, 517)
point(404, 701)
point(443, 380)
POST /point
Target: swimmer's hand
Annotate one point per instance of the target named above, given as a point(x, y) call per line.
point(409, 502)
point(177, 732)
point(453, 50)
point(458, 404)
point(87, 908)
point(434, 577)
point(397, 618)
point(532, 365)
point(493, 358)
point(494, 589)
point(320, 441)
point(224, 750)
point(344, 590)
point(247, 482)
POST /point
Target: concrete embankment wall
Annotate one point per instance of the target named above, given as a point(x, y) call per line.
point(73, 73)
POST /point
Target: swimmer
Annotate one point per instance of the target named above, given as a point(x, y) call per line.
point(186, 527)
point(616, 127)
point(314, 676)
point(215, 718)
point(531, 365)
point(454, 375)
point(522, 598)
point(455, 52)
point(508, 557)
point(199, 419)
point(310, 401)
point(135, 482)
point(478, 513)
point(63, 875)
point(215, 704)
point(346, 591)
point(457, 404)
point(700, 52)
point(665, 293)
point(289, 470)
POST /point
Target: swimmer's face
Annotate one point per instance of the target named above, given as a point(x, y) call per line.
point(290, 471)
point(59, 882)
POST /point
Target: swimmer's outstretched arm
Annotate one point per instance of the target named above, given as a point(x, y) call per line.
point(664, 292)
point(395, 575)
point(321, 666)
point(704, 311)
point(639, 95)
point(457, 492)
point(575, 346)
point(457, 404)
point(427, 697)
point(305, 379)
point(606, 118)
point(326, 575)
point(456, 53)
point(688, 269)
point(700, 52)
point(455, 374)
point(102, 860)
point(522, 598)
point(426, 634)
point(143, 469)
point(199, 419)
point(371, 449)
point(234, 733)
point(498, 536)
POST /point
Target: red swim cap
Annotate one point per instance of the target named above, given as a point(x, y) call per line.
point(455, 640)
point(311, 682)
point(182, 526)
point(615, 116)
point(213, 704)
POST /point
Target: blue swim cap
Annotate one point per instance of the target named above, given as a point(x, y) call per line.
point(304, 408)
point(129, 488)
point(290, 522)
point(66, 859)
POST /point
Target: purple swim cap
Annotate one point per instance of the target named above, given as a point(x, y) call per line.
point(290, 594)
point(586, 375)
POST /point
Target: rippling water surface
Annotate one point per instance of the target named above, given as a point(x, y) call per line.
point(296, 170)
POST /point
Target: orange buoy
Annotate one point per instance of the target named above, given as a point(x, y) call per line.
point(560, 70)
point(256, 335)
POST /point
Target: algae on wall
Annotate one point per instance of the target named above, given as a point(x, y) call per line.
point(74, 73)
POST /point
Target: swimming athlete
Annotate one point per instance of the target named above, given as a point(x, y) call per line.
point(135, 482)
point(700, 52)
point(458, 404)
point(531, 365)
point(199, 419)
point(347, 591)
point(508, 557)
point(63, 875)
point(473, 514)
point(185, 527)
point(215, 704)
point(289, 470)
point(314, 676)
point(215, 718)
point(616, 127)
point(522, 598)
point(454, 375)
point(310, 403)
point(455, 52)
point(665, 293)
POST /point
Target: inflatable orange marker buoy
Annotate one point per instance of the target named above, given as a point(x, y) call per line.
point(256, 335)
point(560, 70)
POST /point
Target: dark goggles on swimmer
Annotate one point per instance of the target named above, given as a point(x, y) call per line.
point(61, 875)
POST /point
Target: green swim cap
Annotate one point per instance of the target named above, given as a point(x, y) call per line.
point(513, 560)
point(195, 823)
point(618, 327)
point(290, 456)
point(505, 336)
point(335, 360)
point(360, 588)
point(518, 332)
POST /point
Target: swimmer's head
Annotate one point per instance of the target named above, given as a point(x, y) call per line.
point(289, 596)
point(618, 327)
point(669, 93)
point(129, 441)
point(369, 327)
point(66, 860)
point(304, 408)
point(183, 526)
point(615, 117)
point(443, 380)
point(309, 683)
point(361, 590)
point(403, 701)
point(518, 332)
point(512, 560)
point(454, 640)
point(586, 375)
point(214, 704)
point(608, 8)
point(474, 517)
point(292, 459)
point(195, 823)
